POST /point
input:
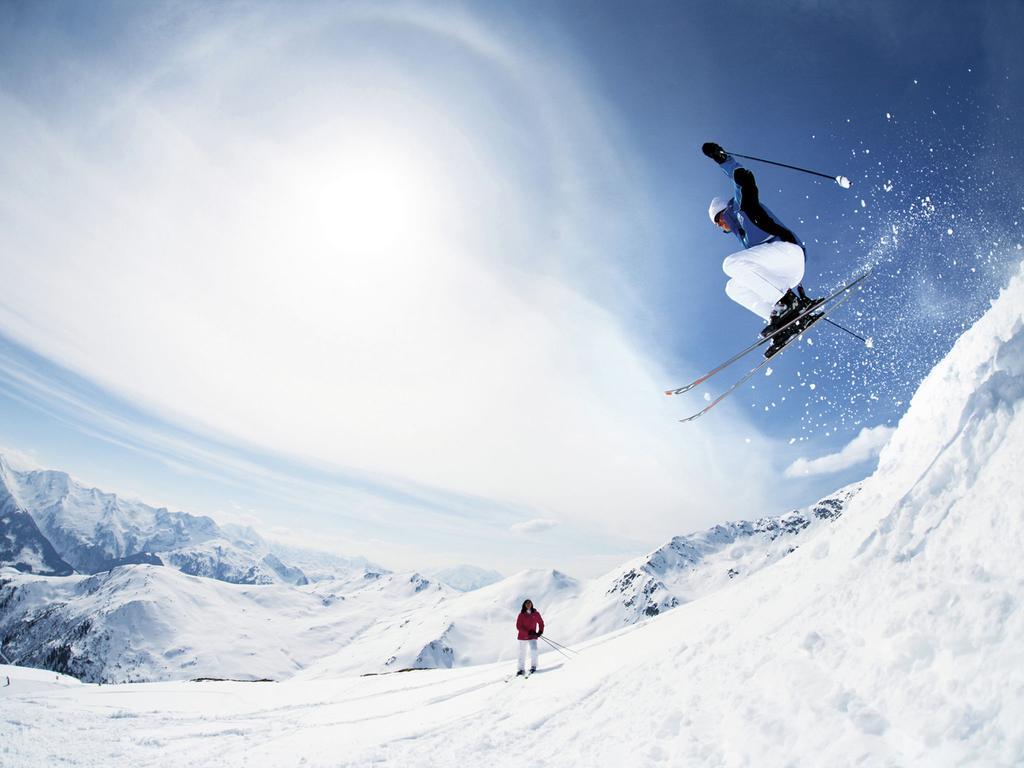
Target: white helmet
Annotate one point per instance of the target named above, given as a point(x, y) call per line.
point(717, 206)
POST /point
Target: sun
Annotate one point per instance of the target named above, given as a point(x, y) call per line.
point(372, 195)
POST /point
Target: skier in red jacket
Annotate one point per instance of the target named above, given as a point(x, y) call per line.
point(530, 626)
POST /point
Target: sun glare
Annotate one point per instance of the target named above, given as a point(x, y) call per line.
point(373, 198)
point(358, 228)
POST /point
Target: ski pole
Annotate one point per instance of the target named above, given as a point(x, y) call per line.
point(842, 181)
point(553, 642)
point(843, 328)
point(555, 647)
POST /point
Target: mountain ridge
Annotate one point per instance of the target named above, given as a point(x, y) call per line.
point(92, 531)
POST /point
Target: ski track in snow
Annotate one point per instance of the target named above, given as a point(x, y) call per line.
point(894, 637)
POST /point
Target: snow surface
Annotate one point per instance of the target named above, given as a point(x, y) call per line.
point(894, 637)
point(27, 679)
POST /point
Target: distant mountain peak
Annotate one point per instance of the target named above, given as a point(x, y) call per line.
point(467, 578)
point(91, 530)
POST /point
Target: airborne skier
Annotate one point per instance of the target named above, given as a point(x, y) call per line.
point(766, 276)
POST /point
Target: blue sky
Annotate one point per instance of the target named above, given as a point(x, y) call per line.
point(408, 280)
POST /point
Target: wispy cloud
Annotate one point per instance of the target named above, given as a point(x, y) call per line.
point(865, 446)
point(305, 237)
point(537, 525)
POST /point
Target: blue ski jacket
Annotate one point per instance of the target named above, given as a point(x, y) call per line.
point(750, 221)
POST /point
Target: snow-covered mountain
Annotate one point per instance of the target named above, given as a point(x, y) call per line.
point(893, 636)
point(153, 624)
point(466, 578)
point(689, 567)
point(22, 544)
point(92, 531)
point(318, 565)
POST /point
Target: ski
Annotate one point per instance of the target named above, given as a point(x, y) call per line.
point(743, 352)
point(846, 290)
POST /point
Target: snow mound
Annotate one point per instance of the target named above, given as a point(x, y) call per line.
point(14, 679)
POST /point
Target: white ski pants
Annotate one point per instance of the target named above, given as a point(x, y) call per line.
point(760, 275)
point(522, 653)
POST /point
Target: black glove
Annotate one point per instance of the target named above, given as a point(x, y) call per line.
point(714, 151)
point(540, 633)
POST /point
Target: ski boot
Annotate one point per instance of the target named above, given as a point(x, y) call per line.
point(785, 309)
point(807, 317)
point(780, 340)
point(805, 302)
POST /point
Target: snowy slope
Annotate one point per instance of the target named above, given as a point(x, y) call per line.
point(27, 679)
point(894, 638)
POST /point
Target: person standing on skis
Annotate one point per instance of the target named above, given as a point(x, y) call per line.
point(765, 277)
point(530, 626)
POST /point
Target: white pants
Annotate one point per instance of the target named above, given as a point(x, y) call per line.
point(760, 275)
point(522, 654)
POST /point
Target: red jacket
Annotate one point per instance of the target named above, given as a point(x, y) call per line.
point(530, 625)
